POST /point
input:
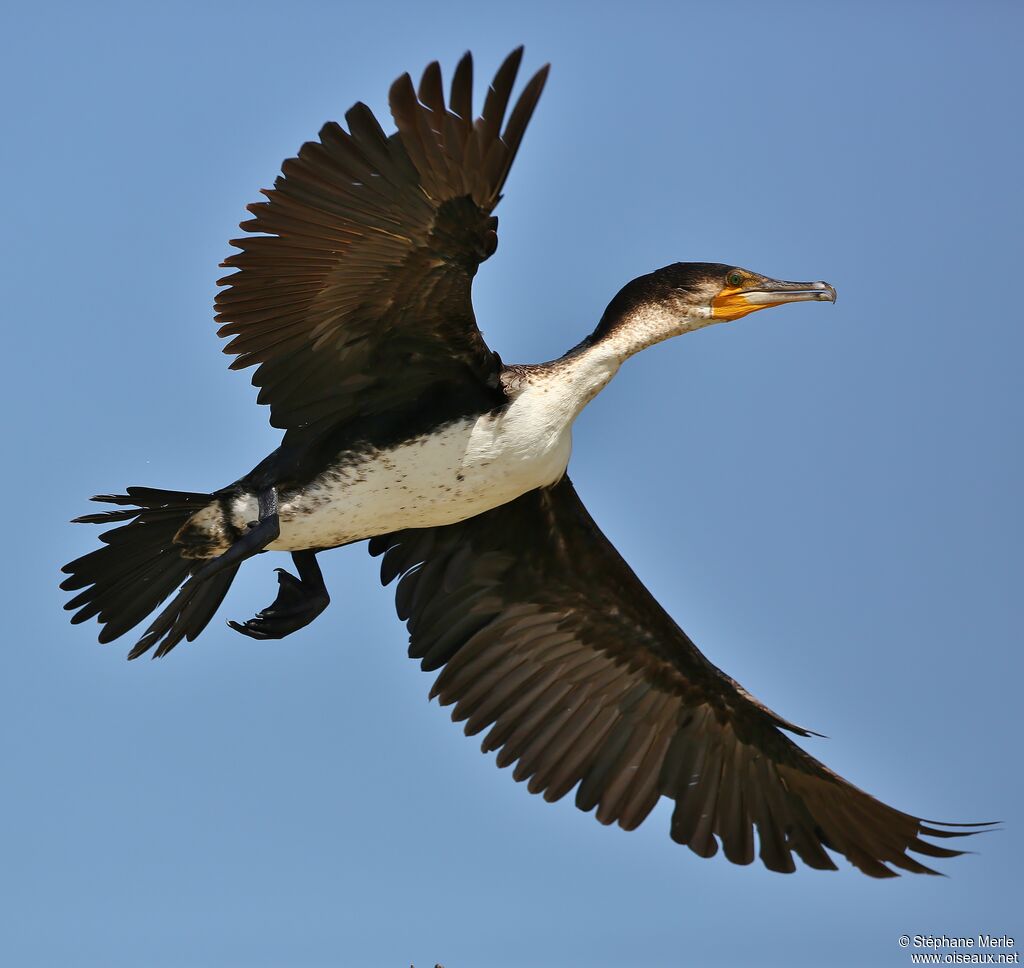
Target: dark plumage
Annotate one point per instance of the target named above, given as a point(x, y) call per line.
point(584, 679)
point(351, 297)
point(371, 247)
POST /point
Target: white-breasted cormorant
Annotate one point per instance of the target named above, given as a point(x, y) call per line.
point(352, 298)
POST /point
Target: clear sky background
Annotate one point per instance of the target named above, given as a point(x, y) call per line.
point(827, 498)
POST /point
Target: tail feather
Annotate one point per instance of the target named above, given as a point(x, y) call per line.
point(139, 566)
point(136, 597)
point(187, 615)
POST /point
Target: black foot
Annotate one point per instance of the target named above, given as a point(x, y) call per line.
point(298, 602)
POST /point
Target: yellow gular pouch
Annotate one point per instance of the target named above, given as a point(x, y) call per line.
point(732, 303)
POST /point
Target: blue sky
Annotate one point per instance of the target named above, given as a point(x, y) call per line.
point(826, 498)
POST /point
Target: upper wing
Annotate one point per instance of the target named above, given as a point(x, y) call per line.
point(547, 636)
point(355, 298)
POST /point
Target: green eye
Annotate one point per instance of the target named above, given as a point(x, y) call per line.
point(734, 278)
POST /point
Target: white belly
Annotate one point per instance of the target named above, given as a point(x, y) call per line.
point(465, 469)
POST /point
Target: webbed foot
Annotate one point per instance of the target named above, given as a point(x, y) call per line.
point(298, 602)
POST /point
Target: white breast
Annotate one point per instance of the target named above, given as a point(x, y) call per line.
point(461, 470)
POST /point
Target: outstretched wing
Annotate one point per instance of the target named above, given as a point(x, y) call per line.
point(546, 636)
point(353, 296)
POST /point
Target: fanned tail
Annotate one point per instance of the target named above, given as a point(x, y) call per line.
point(139, 566)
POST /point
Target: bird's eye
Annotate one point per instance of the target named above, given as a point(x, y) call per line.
point(734, 278)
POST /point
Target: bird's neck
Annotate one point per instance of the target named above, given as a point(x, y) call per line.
point(587, 368)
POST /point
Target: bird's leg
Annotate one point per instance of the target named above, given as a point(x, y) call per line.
point(299, 601)
point(267, 529)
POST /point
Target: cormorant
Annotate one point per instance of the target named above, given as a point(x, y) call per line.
point(351, 297)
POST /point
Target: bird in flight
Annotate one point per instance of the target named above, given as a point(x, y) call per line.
point(352, 298)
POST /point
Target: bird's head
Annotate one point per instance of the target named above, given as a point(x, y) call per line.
point(691, 295)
